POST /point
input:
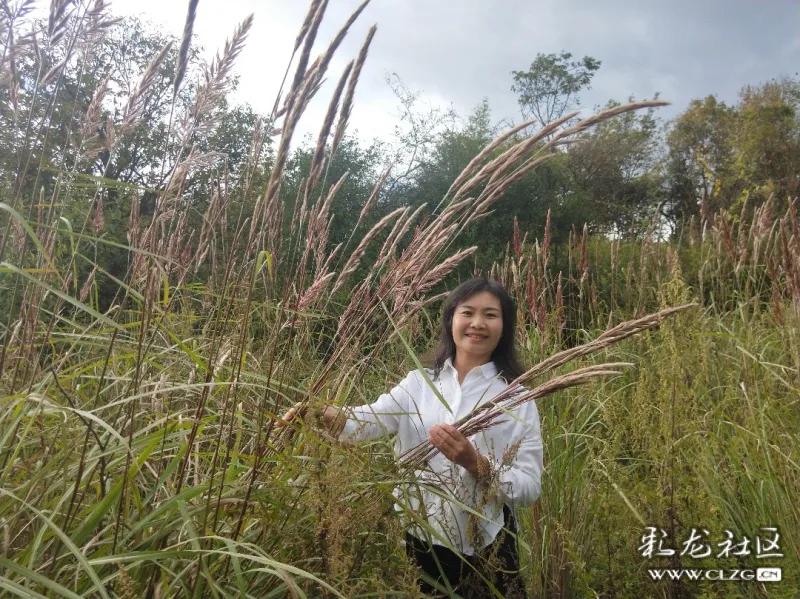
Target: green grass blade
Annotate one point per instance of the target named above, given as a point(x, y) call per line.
point(37, 578)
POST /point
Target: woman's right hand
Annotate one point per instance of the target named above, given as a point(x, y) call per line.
point(290, 415)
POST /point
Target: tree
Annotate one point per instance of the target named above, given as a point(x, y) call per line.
point(549, 187)
point(768, 140)
point(700, 160)
point(417, 134)
point(721, 157)
point(550, 87)
point(79, 110)
point(615, 169)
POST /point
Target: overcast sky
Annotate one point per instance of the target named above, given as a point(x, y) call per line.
point(460, 51)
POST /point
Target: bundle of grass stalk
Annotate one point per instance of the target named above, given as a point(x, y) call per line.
point(514, 395)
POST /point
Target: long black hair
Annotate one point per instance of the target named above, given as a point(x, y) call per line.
point(504, 355)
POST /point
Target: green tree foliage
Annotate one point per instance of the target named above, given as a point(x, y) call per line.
point(550, 86)
point(721, 156)
point(700, 160)
point(768, 139)
point(551, 186)
point(615, 170)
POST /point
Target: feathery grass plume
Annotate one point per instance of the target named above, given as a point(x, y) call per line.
point(532, 296)
point(98, 220)
point(394, 233)
point(211, 217)
point(216, 81)
point(18, 237)
point(92, 119)
point(693, 230)
point(621, 331)
point(98, 22)
point(583, 264)
point(354, 259)
point(473, 164)
point(320, 223)
point(318, 159)
point(791, 262)
point(312, 80)
point(546, 243)
point(510, 158)
point(560, 316)
point(373, 197)
point(293, 107)
point(604, 115)
point(493, 192)
point(481, 419)
point(84, 292)
point(326, 57)
point(389, 253)
point(58, 18)
point(133, 225)
point(347, 104)
point(331, 257)
point(304, 85)
point(314, 291)
point(8, 77)
point(296, 221)
point(516, 242)
point(325, 206)
point(136, 101)
point(308, 34)
point(54, 70)
point(306, 26)
point(436, 274)
point(186, 41)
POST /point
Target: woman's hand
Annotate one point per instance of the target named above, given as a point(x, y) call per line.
point(329, 416)
point(290, 415)
point(457, 448)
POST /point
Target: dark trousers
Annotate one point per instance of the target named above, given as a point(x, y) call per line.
point(498, 563)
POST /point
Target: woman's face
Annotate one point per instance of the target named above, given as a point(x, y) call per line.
point(478, 326)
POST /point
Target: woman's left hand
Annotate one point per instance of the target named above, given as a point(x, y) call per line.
point(454, 446)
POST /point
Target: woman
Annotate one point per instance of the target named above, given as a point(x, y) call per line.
point(491, 473)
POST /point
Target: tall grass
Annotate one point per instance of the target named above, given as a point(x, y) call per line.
point(701, 435)
point(138, 454)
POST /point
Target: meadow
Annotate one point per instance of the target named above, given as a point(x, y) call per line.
point(149, 341)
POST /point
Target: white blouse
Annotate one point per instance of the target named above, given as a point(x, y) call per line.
point(446, 489)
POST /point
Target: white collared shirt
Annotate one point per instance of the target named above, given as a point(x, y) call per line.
point(412, 408)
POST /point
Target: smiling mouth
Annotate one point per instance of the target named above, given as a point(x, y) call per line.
point(476, 337)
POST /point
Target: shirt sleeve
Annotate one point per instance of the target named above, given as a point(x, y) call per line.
point(383, 416)
point(520, 481)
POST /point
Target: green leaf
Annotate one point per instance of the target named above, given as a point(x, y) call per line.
point(66, 297)
point(82, 535)
point(16, 216)
point(264, 256)
point(79, 557)
point(37, 578)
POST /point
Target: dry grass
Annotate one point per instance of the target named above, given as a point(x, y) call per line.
point(138, 454)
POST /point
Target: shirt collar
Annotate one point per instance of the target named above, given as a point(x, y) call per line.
point(488, 370)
